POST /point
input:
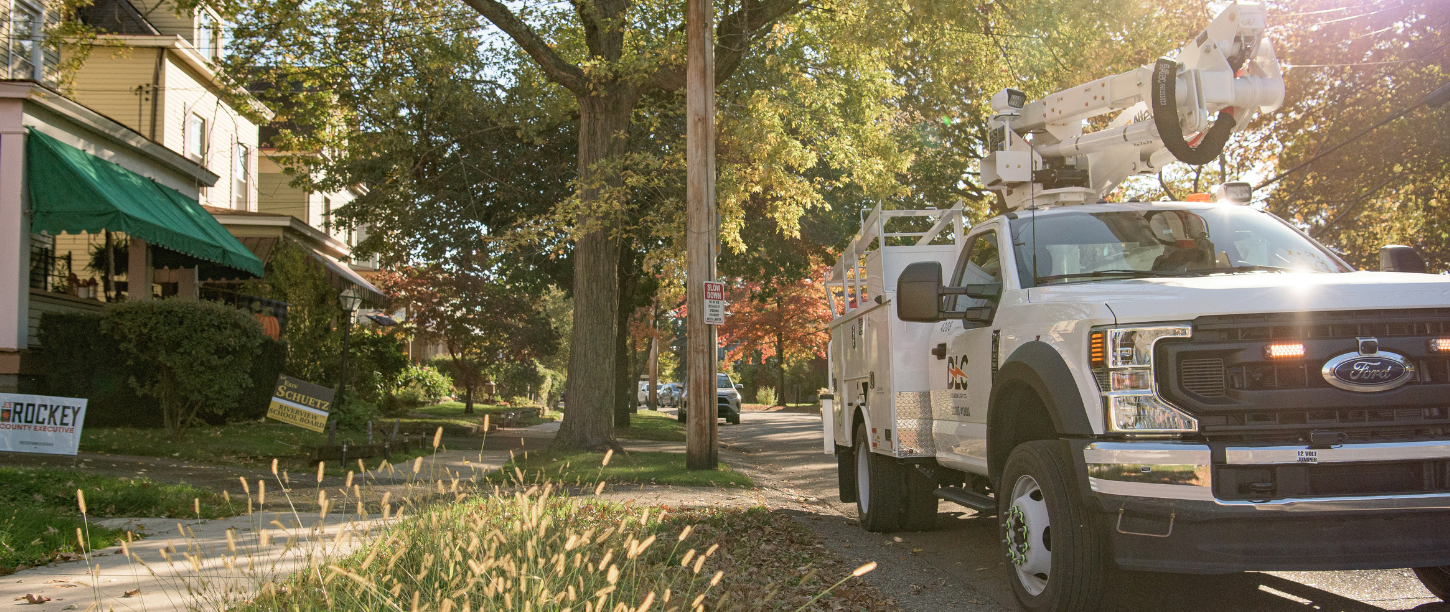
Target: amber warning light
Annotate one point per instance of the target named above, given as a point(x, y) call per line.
point(1439, 345)
point(1098, 350)
point(1284, 351)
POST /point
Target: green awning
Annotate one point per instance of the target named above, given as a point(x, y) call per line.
point(72, 191)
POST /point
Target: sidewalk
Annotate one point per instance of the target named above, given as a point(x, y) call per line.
point(192, 563)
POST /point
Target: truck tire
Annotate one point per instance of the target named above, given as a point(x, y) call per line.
point(1048, 537)
point(846, 474)
point(1436, 580)
point(920, 511)
point(878, 487)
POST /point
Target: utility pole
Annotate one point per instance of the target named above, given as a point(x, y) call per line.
point(701, 451)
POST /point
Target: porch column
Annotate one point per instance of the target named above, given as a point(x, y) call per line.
point(14, 245)
point(138, 271)
point(187, 287)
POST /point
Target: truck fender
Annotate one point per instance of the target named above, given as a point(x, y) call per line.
point(1039, 367)
point(858, 416)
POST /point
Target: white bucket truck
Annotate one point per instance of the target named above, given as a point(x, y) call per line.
point(1190, 386)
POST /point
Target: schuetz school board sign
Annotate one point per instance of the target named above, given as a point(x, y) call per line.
point(300, 403)
point(40, 423)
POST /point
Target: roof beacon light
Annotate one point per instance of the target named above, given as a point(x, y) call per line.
point(1438, 345)
point(1237, 192)
point(1284, 351)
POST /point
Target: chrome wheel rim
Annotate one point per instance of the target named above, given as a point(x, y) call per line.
point(1027, 535)
point(863, 478)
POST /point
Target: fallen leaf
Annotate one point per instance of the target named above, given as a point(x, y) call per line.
point(132, 593)
point(36, 599)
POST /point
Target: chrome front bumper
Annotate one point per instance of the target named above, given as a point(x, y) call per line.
point(1184, 471)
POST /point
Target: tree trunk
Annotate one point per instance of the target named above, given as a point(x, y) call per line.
point(468, 399)
point(624, 392)
point(588, 418)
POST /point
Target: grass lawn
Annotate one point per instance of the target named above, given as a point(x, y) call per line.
point(513, 551)
point(249, 444)
point(451, 413)
point(632, 468)
point(39, 512)
point(651, 425)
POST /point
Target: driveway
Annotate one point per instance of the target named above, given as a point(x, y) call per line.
point(958, 567)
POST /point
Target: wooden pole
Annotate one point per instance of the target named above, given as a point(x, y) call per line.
point(700, 447)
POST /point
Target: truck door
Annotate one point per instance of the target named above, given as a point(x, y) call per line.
point(969, 353)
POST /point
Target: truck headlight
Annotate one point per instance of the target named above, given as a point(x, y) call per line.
point(1131, 400)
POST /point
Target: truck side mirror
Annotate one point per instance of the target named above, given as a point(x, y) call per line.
point(1398, 258)
point(918, 292)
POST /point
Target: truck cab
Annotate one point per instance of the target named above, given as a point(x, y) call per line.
point(1166, 386)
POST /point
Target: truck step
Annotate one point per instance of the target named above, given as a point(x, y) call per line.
point(984, 504)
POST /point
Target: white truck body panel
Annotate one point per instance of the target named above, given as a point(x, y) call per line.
point(875, 367)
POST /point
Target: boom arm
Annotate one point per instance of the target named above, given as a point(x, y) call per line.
point(1164, 112)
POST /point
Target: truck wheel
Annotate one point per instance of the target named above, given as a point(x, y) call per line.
point(878, 487)
point(1436, 580)
point(920, 512)
point(1049, 539)
point(846, 474)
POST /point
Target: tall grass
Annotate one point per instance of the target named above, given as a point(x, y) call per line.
point(765, 395)
point(457, 543)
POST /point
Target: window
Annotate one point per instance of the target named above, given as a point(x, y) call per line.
point(241, 177)
point(981, 263)
point(723, 381)
point(195, 136)
point(206, 32)
point(1089, 244)
point(26, 34)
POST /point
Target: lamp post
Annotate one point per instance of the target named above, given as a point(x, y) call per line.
point(349, 300)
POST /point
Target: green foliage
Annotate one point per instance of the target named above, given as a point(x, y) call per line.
point(72, 342)
point(192, 357)
point(419, 385)
point(377, 358)
point(314, 336)
point(765, 395)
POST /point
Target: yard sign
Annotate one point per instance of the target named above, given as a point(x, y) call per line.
point(300, 403)
point(40, 423)
point(714, 303)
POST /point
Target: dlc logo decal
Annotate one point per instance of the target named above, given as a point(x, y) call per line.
point(956, 374)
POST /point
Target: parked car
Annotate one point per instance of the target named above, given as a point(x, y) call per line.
point(727, 400)
point(670, 395)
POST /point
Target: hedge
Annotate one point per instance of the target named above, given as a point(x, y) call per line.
point(121, 358)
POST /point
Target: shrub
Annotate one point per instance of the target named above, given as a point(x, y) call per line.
point(80, 361)
point(765, 395)
point(376, 360)
point(419, 385)
point(189, 356)
point(266, 367)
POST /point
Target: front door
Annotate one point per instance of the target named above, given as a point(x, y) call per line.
point(966, 372)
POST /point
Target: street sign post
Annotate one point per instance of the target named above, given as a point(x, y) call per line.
point(714, 303)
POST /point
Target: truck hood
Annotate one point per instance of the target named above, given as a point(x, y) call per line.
point(1165, 299)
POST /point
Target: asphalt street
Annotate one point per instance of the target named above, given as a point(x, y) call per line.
point(958, 566)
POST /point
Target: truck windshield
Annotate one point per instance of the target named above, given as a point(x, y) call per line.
point(1157, 241)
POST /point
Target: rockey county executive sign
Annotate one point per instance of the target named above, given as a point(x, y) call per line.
point(300, 403)
point(41, 423)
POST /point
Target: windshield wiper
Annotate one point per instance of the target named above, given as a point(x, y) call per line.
point(1238, 269)
point(1112, 273)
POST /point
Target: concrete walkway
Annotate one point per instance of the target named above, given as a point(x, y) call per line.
point(191, 564)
